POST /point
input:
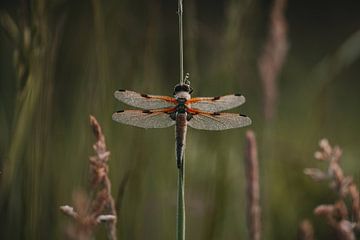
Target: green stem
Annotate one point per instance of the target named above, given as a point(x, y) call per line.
point(181, 40)
point(180, 217)
point(180, 224)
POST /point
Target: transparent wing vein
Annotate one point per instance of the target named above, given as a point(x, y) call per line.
point(218, 121)
point(144, 119)
point(143, 100)
point(217, 104)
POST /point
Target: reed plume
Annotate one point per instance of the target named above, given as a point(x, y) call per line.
point(344, 219)
point(273, 57)
point(89, 212)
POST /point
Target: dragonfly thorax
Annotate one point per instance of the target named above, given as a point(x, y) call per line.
point(182, 95)
point(181, 107)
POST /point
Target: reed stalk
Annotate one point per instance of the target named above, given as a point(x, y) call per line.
point(253, 215)
point(272, 59)
point(181, 40)
point(180, 226)
point(180, 216)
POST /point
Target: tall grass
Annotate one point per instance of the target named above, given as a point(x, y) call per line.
point(35, 39)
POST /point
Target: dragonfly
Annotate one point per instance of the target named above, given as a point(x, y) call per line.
point(204, 113)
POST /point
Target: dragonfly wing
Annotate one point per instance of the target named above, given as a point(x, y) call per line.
point(143, 100)
point(144, 119)
point(217, 104)
point(218, 121)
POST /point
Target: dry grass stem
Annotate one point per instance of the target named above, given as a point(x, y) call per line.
point(345, 220)
point(306, 231)
point(273, 56)
point(89, 212)
point(252, 187)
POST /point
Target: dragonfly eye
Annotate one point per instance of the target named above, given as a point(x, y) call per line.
point(177, 88)
point(182, 88)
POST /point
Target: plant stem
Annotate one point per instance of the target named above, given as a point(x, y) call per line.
point(180, 217)
point(181, 40)
point(252, 187)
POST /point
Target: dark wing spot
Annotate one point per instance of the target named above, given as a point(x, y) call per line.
point(242, 115)
point(216, 98)
point(146, 111)
point(120, 111)
point(215, 114)
point(145, 95)
point(121, 90)
point(238, 94)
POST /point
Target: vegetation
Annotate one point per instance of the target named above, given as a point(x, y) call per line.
point(297, 63)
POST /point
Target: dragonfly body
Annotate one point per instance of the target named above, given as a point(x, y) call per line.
point(181, 118)
point(180, 137)
point(181, 111)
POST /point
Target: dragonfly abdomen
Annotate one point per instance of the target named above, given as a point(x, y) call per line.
point(180, 137)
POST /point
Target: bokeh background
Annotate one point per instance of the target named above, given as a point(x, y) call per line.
point(62, 60)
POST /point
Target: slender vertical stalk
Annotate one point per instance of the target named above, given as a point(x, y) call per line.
point(180, 227)
point(180, 216)
point(273, 57)
point(181, 40)
point(252, 187)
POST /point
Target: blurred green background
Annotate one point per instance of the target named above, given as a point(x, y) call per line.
point(62, 60)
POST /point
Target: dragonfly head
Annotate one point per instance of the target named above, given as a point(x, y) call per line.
point(182, 91)
point(183, 88)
